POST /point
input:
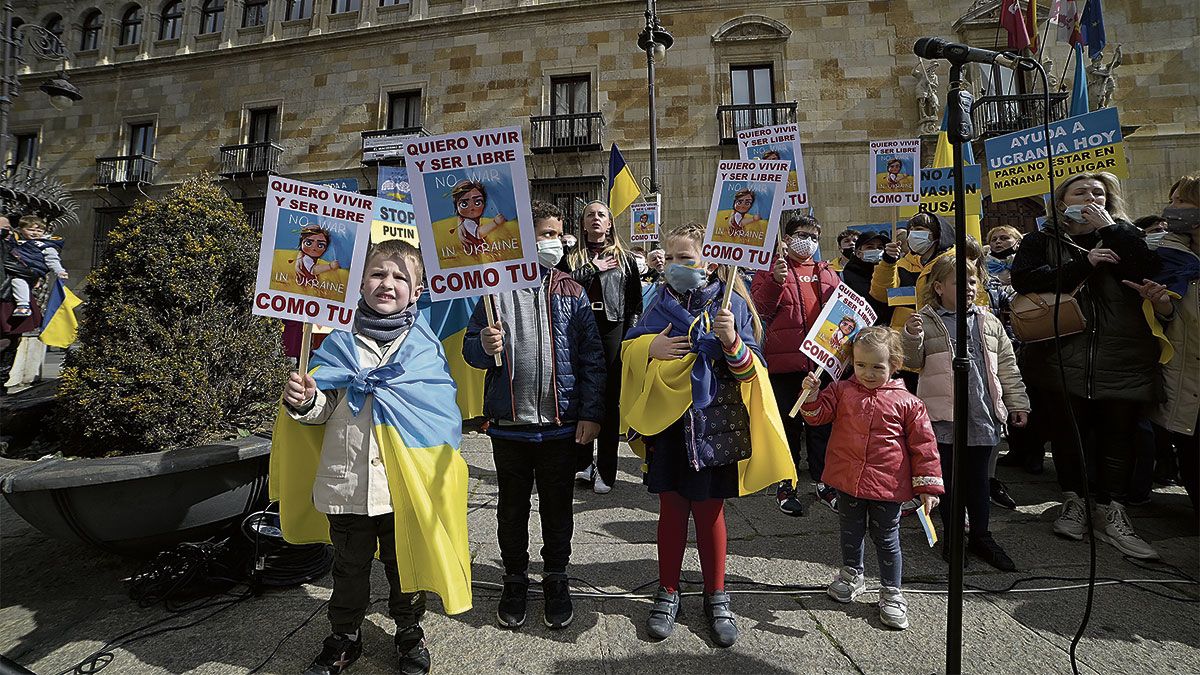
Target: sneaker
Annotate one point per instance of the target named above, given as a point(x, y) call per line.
point(1000, 496)
point(910, 507)
point(511, 611)
point(661, 622)
point(410, 647)
point(22, 311)
point(1113, 526)
point(828, 496)
point(600, 487)
point(786, 497)
point(585, 477)
point(722, 625)
point(847, 585)
point(338, 652)
point(558, 612)
point(1072, 521)
point(990, 552)
point(893, 609)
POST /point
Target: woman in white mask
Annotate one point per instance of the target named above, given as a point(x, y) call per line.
point(929, 238)
point(789, 297)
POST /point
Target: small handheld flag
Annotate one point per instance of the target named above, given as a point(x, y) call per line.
point(927, 525)
point(59, 325)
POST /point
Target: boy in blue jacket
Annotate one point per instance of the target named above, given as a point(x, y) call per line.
point(547, 396)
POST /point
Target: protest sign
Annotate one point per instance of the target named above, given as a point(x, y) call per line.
point(313, 247)
point(394, 220)
point(828, 343)
point(645, 219)
point(393, 184)
point(780, 143)
point(743, 220)
point(937, 192)
point(1016, 162)
point(893, 173)
point(471, 195)
point(343, 184)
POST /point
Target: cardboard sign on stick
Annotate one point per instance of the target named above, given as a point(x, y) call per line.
point(894, 176)
point(743, 219)
point(779, 143)
point(645, 220)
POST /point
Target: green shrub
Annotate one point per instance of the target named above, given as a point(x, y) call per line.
point(169, 355)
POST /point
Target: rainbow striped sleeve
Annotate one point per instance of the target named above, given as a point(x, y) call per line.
point(740, 360)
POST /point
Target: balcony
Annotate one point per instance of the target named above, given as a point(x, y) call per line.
point(387, 145)
point(576, 132)
point(126, 170)
point(734, 118)
point(249, 159)
point(998, 115)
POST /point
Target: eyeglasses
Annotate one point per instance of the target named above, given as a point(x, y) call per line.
point(803, 235)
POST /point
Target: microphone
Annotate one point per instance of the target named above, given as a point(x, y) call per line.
point(937, 48)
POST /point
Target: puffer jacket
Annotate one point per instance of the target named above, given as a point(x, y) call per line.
point(1181, 375)
point(782, 314)
point(578, 358)
point(1116, 357)
point(882, 446)
point(931, 354)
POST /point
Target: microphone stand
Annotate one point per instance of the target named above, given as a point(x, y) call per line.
point(958, 131)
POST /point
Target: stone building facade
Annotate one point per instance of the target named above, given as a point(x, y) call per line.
point(301, 83)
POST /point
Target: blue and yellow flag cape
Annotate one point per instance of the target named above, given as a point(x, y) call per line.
point(59, 325)
point(418, 430)
point(448, 319)
point(656, 393)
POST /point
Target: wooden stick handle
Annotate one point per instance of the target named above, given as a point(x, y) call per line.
point(305, 347)
point(895, 220)
point(489, 306)
point(804, 394)
point(733, 270)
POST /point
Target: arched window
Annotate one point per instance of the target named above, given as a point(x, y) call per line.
point(131, 26)
point(212, 16)
point(298, 9)
point(90, 35)
point(172, 21)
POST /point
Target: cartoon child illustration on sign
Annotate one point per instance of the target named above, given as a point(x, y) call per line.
point(470, 199)
point(793, 183)
point(894, 179)
point(743, 201)
point(314, 241)
point(643, 224)
point(836, 337)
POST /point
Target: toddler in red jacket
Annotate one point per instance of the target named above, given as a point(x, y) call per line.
point(882, 450)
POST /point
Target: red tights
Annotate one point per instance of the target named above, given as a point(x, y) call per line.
point(709, 515)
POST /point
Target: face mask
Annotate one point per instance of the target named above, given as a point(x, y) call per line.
point(1004, 253)
point(549, 252)
point(920, 241)
point(1155, 240)
point(803, 248)
point(848, 251)
point(1181, 220)
point(1074, 212)
point(873, 256)
point(685, 279)
point(641, 264)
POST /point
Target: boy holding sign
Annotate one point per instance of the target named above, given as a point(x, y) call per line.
point(543, 393)
point(376, 454)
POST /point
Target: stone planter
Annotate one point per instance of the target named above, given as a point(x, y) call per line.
point(140, 504)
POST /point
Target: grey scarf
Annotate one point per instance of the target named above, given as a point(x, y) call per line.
point(383, 328)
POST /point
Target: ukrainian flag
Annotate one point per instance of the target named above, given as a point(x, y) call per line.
point(905, 296)
point(59, 325)
point(448, 319)
point(622, 187)
point(418, 433)
point(943, 156)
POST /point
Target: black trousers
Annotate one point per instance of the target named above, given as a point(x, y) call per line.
point(550, 465)
point(355, 538)
point(1187, 451)
point(1108, 431)
point(976, 490)
point(611, 335)
point(814, 439)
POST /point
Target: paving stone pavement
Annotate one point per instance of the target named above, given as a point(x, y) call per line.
point(60, 602)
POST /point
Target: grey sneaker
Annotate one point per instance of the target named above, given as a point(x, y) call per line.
point(721, 622)
point(1113, 526)
point(893, 609)
point(847, 585)
point(661, 622)
point(1072, 520)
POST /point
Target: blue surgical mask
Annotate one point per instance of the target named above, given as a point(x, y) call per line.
point(1074, 212)
point(872, 256)
point(1155, 239)
point(685, 279)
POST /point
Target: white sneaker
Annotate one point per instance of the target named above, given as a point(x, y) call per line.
point(600, 487)
point(893, 608)
point(1072, 520)
point(1112, 525)
point(586, 475)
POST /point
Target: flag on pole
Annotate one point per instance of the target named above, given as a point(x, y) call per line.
point(943, 156)
point(1012, 19)
point(622, 187)
point(59, 325)
point(1065, 15)
point(1031, 24)
point(1079, 91)
point(1091, 27)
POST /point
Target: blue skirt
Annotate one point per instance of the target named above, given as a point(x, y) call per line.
point(668, 470)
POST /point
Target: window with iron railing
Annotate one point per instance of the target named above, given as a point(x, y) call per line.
point(404, 110)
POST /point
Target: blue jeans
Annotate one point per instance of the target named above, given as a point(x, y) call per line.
point(857, 516)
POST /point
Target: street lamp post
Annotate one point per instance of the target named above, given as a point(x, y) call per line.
point(655, 41)
point(47, 46)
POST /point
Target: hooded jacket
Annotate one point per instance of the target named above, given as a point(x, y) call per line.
point(782, 312)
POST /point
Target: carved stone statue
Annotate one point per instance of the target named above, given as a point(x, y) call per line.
point(928, 106)
point(1102, 79)
point(1053, 84)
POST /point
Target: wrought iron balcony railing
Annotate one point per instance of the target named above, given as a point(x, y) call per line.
point(250, 159)
point(559, 133)
point(998, 115)
point(734, 118)
point(125, 170)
